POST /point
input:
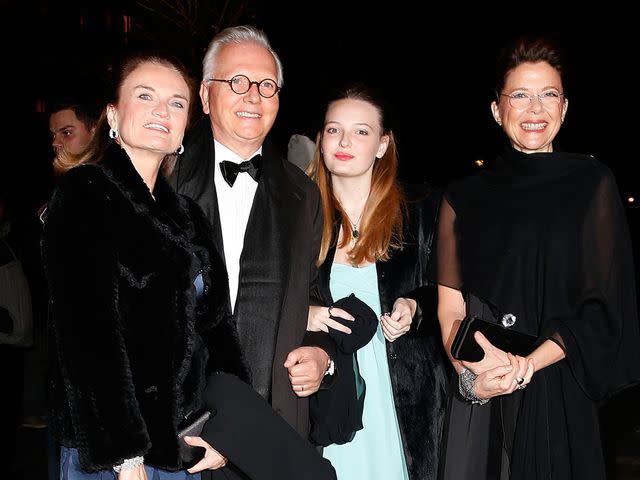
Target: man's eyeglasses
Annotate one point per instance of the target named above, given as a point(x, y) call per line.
point(520, 100)
point(241, 84)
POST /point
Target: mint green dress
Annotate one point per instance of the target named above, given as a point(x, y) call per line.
point(376, 452)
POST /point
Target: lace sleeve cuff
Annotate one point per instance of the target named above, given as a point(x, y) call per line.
point(129, 464)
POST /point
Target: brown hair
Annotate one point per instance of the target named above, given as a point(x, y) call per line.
point(527, 50)
point(87, 113)
point(382, 218)
point(98, 145)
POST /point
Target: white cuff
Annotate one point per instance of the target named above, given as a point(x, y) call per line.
point(331, 368)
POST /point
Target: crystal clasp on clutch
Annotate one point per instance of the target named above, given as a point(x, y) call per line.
point(508, 320)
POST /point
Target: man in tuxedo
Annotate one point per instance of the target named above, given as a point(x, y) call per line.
point(266, 216)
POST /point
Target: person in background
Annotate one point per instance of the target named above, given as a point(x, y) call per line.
point(539, 238)
point(266, 216)
point(72, 123)
point(11, 355)
point(376, 243)
point(300, 150)
point(135, 288)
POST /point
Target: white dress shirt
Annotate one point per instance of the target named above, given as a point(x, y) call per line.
point(234, 205)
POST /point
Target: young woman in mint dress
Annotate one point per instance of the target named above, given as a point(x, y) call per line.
point(375, 244)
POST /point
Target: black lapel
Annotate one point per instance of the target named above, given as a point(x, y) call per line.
point(265, 264)
point(271, 225)
point(215, 215)
point(324, 271)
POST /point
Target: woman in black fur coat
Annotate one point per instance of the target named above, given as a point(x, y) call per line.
point(132, 277)
point(376, 242)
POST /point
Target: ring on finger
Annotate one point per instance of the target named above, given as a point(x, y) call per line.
point(519, 380)
point(301, 388)
point(329, 310)
point(522, 387)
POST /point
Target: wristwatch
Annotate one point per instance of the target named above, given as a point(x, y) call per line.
point(331, 368)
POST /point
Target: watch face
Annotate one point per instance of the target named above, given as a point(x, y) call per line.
point(331, 368)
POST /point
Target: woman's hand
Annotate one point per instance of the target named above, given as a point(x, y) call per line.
point(319, 319)
point(398, 322)
point(493, 356)
point(137, 473)
point(504, 379)
point(212, 458)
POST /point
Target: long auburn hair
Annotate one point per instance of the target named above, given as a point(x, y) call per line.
point(382, 219)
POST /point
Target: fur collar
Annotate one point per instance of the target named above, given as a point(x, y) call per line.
point(167, 209)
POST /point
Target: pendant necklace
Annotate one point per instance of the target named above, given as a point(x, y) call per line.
point(355, 233)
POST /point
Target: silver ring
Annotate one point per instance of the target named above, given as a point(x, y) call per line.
point(522, 387)
point(329, 310)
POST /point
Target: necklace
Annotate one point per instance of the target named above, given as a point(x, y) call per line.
point(354, 226)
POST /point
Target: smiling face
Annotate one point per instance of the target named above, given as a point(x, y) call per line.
point(241, 122)
point(352, 138)
point(532, 128)
point(152, 111)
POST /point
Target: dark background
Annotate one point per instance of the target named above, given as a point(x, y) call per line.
point(436, 68)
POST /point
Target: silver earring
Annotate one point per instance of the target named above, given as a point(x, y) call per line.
point(113, 133)
point(180, 150)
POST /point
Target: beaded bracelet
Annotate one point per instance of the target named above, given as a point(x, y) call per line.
point(129, 464)
point(466, 381)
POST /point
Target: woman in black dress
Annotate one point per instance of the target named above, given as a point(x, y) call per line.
point(541, 235)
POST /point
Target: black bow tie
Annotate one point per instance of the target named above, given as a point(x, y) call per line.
point(231, 170)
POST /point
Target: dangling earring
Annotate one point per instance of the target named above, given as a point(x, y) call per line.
point(499, 123)
point(180, 150)
point(113, 133)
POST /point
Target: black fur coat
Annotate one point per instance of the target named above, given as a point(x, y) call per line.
point(132, 343)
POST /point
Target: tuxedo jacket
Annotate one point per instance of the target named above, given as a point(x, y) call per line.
point(417, 362)
point(277, 265)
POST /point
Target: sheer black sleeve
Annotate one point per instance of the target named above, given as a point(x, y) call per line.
point(601, 337)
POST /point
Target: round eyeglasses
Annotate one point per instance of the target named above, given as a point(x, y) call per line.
point(241, 84)
point(520, 100)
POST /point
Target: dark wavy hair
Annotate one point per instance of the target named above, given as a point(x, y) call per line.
point(527, 49)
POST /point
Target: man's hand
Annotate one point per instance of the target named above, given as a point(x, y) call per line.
point(307, 366)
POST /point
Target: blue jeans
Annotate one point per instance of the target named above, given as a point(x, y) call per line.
point(70, 470)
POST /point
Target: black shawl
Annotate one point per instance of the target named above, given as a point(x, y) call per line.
point(336, 412)
point(544, 236)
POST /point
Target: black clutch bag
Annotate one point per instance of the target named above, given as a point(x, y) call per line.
point(192, 427)
point(465, 347)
